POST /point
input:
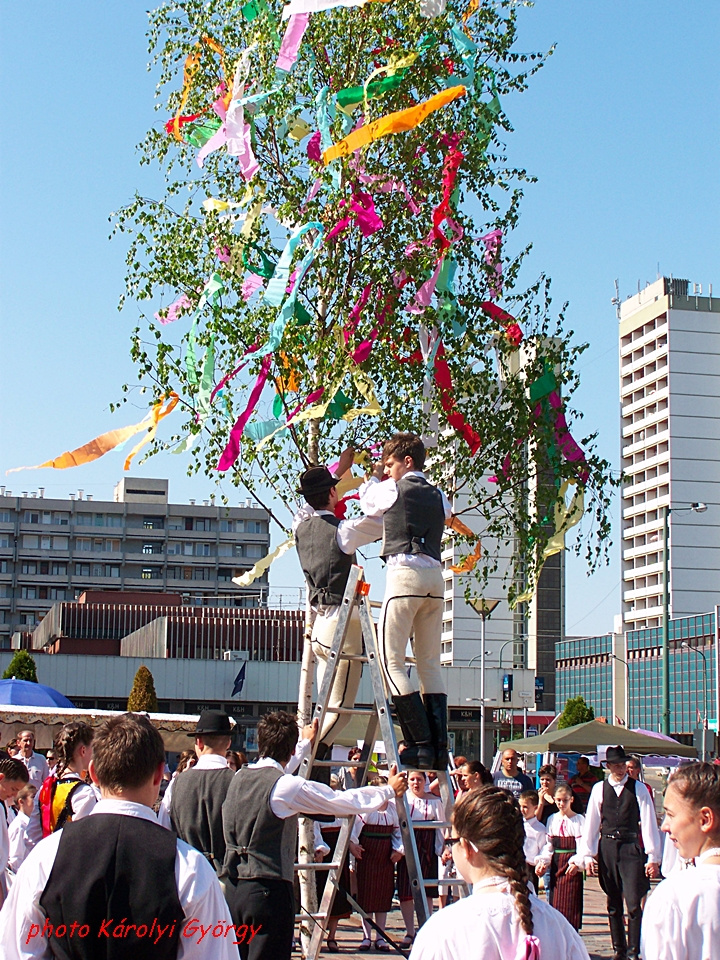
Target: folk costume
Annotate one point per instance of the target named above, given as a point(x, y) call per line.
point(58, 802)
point(19, 843)
point(486, 925)
point(326, 548)
point(535, 839)
point(682, 915)
point(197, 799)
point(378, 833)
point(328, 834)
point(260, 822)
point(116, 867)
point(414, 514)
point(560, 850)
point(429, 842)
point(611, 832)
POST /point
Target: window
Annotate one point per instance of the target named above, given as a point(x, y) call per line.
point(225, 549)
point(188, 549)
point(5, 516)
point(3, 566)
point(175, 573)
point(113, 520)
point(29, 568)
point(28, 541)
point(255, 550)
point(82, 569)
point(60, 543)
point(28, 593)
point(174, 548)
point(202, 523)
point(202, 549)
point(46, 543)
point(99, 520)
point(153, 523)
point(56, 593)
point(83, 545)
point(111, 570)
point(225, 573)
point(231, 526)
point(84, 519)
point(256, 526)
point(58, 569)
point(31, 516)
point(238, 550)
point(5, 540)
point(112, 546)
point(47, 516)
point(176, 523)
point(61, 519)
point(28, 619)
point(98, 570)
point(202, 573)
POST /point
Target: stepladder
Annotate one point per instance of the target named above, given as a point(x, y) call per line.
point(379, 726)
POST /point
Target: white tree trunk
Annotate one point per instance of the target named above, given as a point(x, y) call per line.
point(308, 890)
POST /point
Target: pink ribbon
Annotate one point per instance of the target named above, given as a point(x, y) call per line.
point(529, 950)
point(182, 304)
point(493, 243)
point(424, 295)
point(232, 450)
point(354, 317)
point(294, 32)
point(314, 151)
point(251, 284)
point(364, 208)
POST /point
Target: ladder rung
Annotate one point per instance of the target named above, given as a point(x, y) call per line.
point(430, 824)
point(299, 917)
point(318, 866)
point(353, 711)
point(336, 763)
point(358, 657)
point(449, 882)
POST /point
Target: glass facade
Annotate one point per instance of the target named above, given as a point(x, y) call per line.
point(583, 667)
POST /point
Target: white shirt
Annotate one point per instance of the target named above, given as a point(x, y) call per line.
point(386, 818)
point(681, 920)
point(211, 761)
point(486, 925)
point(37, 768)
point(648, 820)
point(559, 825)
point(377, 497)
point(198, 889)
point(20, 844)
point(535, 834)
point(82, 803)
point(4, 851)
point(428, 807)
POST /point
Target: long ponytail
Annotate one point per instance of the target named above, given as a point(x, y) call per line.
point(69, 738)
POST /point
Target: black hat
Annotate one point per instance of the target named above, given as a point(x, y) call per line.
point(316, 480)
point(212, 721)
point(616, 755)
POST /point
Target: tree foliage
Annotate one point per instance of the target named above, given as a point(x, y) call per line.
point(367, 348)
point(576, 711)
point(143, 698)
point(21, 667)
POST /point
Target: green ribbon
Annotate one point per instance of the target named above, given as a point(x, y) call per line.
point(376, 88)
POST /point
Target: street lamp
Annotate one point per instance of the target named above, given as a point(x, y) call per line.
point(483, 608)
point(705, 703)
point(667, 509)
point(482, 703)
point(526, 698)
point(627, 688)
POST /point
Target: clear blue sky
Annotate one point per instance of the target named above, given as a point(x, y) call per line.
point(620, 127)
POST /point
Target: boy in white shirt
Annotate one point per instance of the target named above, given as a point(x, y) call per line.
point(19, 842)
point(535, 831)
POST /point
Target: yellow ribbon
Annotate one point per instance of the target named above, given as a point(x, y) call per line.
point(397, 122)
point(365, 387)
point(192, 62)
point(261, 566)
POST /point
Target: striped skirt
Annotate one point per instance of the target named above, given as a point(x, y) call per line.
point(425, 840)
point(567, 890)
point(340, 907)
point(376, 871)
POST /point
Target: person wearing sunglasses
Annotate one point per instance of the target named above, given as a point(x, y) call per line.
point(503, 919)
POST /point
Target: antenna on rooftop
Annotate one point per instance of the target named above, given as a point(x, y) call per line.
point(616, 300)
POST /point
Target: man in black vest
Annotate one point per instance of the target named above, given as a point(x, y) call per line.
point(198, 793)
point(414, 514)
point(326, 548)
point(260, 818)
point(115, 883)
point(617, 810)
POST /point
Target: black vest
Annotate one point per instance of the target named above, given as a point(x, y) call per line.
point(196, 810)
point(113, 870)
point(258, 844)
point(620, 814)
point(414, 524)
point(325, 566)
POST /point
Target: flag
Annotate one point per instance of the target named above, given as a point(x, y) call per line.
point(239, 681)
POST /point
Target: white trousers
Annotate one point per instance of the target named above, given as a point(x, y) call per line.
point(412, 607)
point(347, 677)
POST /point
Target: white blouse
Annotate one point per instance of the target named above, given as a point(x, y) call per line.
point(428, 807)
point(385, 818)
point(559, 825)
point(681, 920)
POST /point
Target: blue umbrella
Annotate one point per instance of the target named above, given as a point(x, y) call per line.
point(24, 693)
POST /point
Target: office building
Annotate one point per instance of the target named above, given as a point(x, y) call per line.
point(670, 405)
point(54, 550)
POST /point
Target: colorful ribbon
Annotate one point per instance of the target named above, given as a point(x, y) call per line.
point(182, 305)
point(261, 566)
point(398, 122)
point(232, 449)
point(443, 380)
point(294, 32)
point(192, 62)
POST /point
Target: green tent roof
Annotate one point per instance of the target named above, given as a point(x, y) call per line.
point(586, 737)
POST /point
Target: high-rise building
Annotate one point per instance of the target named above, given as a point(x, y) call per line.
point(53, 550)
point(670, 405)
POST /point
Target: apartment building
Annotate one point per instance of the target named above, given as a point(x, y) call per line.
point(670, 408)
point(54, 550)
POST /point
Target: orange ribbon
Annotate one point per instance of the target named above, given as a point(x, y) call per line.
point(192, 62)
point(398, 122)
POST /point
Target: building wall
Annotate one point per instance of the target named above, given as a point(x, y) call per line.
point(53, 550)
point(670, 410)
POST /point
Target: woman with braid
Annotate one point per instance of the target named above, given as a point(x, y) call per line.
point(65, 795)
point(503, 919)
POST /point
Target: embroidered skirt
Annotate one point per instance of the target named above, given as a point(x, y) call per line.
point(376, 872)
point(567, 890)
point(425, 840)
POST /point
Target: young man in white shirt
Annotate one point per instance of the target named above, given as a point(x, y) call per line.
point(617, 810)
point(116, 876)
point(414, 514)
point(260, 819)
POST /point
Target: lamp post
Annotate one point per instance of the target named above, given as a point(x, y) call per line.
point(705, 702)
point(526, 697)
point(667, 509)
point(627, 688)
point(483, 608)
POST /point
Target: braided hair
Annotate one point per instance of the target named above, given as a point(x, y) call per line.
point(70, 737)
point(491, 819)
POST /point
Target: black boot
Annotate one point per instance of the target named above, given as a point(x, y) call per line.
point(617, 935)
point(321, 774)
point(414, 724)
point(633, 937)
point(436, 709)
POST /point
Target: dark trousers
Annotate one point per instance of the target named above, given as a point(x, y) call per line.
point(270, 905)
point(621, 869)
